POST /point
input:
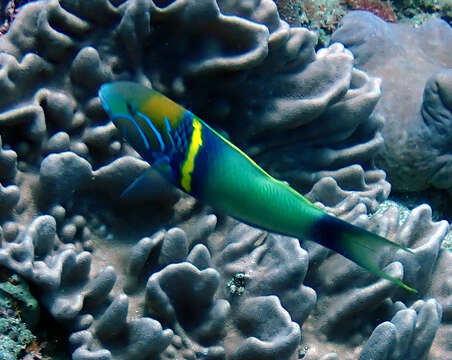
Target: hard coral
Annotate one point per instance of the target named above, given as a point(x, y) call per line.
point(417, 132)
point(305, 115)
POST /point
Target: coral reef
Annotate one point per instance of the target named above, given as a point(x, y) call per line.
point(18, 314)
point(382, 9)
point(417, 12)
point(346, 294)
point(66, 102)
point(416, 149)
point(324, 16)
point(181, 290)
point(289, 11)
point(8, 11)
point(158, 275)
point(17, 289)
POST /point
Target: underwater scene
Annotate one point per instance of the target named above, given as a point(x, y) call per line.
point(225, 179)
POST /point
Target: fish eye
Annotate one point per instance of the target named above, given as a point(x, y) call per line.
point(129, 107)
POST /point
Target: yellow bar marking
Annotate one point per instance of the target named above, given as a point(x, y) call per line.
point(189, 164)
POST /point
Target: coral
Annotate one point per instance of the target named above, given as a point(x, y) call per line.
point(8, 165)
point(180, 295)
point(382, 9)
point(446, 10)
point(277, 111)
point(258, 256)
point(92, 304)
point(348, 298)
point(267, 330)
point(65, 104)
point(417, 12)
point(407, 335)
point(442, 290)
point(157, 275)
point(61, 174)
point(9, 197)
point(289, 11)
point(416, 149)
point(18, 290)
point(323, 17)
point(9, 194)
point(15, 334)
point(69, 291)
point(414, 229)
point(8, 11)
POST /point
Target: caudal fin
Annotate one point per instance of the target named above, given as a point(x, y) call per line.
point(359, 245)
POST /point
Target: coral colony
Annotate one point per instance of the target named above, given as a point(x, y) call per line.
point(160, 275)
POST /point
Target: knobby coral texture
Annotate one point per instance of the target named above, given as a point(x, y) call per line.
point(416, 152)
point(157, 275)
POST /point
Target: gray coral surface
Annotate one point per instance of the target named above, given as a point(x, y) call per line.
point(157, 275)
point(416, 71)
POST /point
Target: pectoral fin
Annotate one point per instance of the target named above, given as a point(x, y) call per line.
point(147, 179)
point(138, 185)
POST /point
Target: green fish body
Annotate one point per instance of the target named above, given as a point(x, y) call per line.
point(201, 162)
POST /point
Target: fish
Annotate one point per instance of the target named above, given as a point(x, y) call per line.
point(201, 162)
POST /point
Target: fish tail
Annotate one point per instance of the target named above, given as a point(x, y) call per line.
point(357, 244)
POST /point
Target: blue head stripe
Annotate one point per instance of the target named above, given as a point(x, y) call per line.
point(132, 120)
point(154, 130)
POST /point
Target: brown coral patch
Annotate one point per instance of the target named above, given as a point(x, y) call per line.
point(382, 9)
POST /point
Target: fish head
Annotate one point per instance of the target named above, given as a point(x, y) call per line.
point(143, 116)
